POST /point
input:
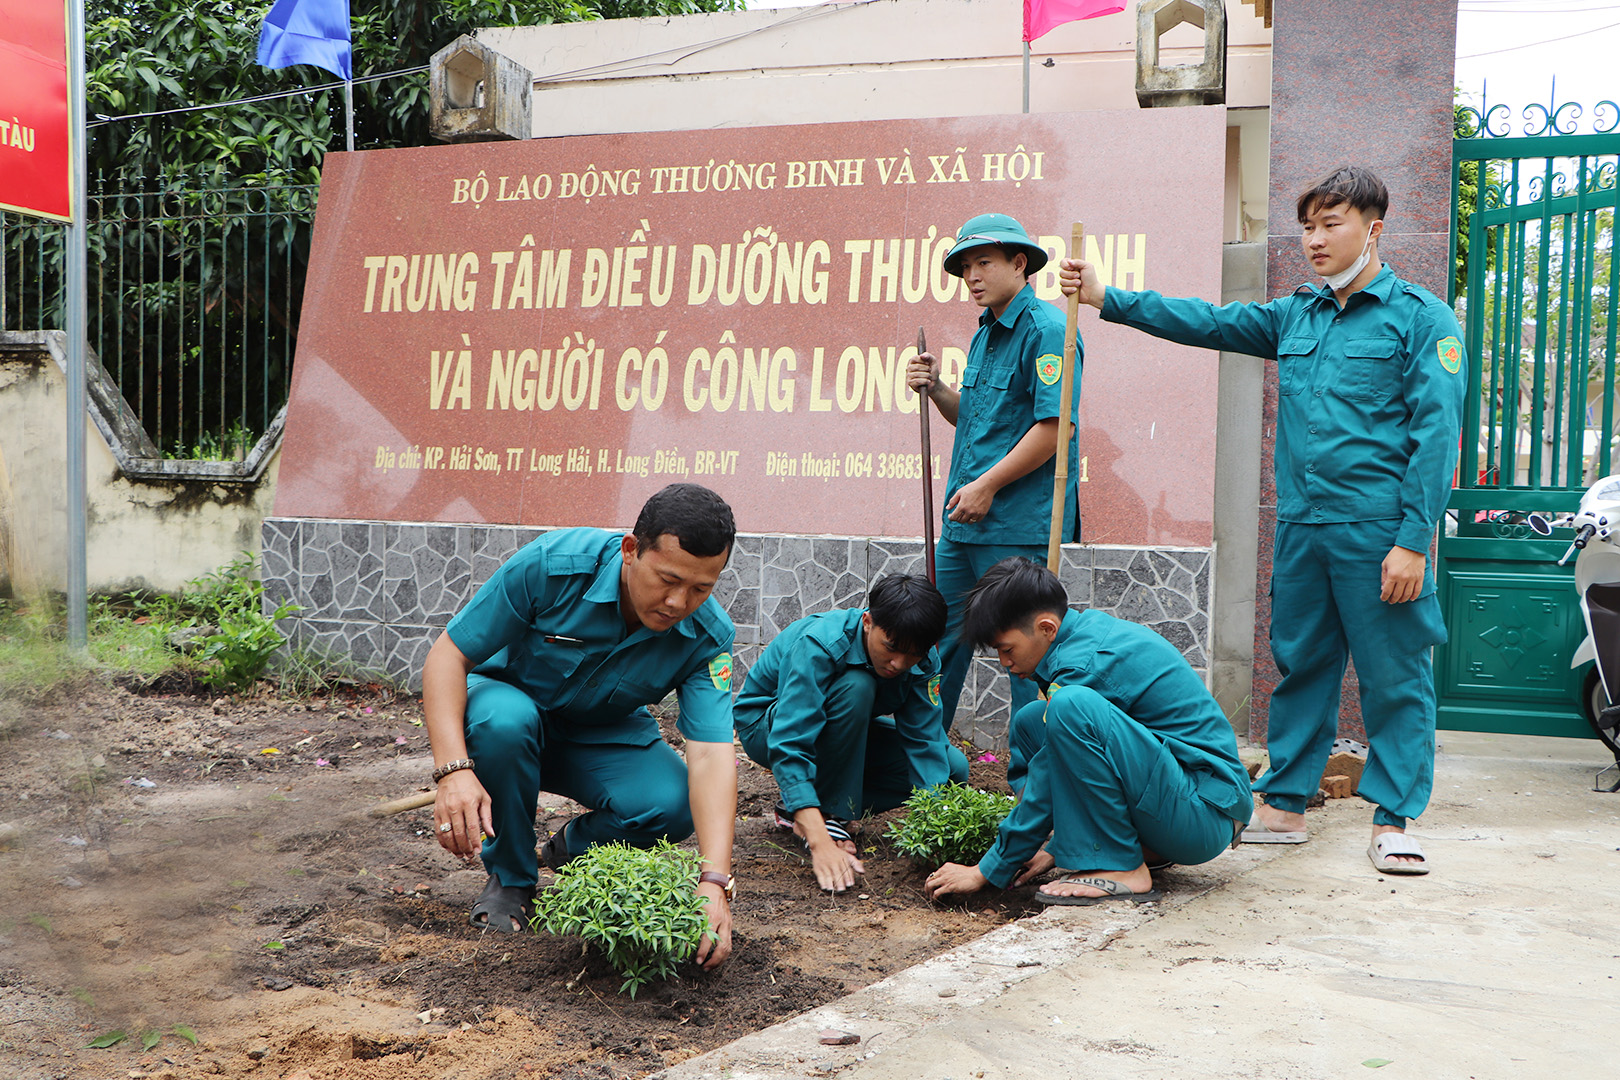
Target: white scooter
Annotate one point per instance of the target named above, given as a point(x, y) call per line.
point(1597, 580)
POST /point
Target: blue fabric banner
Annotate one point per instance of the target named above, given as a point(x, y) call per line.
point(307, 32)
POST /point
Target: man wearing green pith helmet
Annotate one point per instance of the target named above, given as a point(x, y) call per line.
point(998, 498)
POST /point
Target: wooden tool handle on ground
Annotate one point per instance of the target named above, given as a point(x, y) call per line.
point(1060, 481)
point(399, 806)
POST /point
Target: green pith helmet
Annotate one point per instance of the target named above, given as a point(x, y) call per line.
point(996, 229)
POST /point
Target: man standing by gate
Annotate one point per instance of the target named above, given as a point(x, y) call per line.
point(1371, 388)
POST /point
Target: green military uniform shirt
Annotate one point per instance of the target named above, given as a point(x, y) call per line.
point(1142, 675)
point(795, 673)
point(548, 622)
point(1370, 396)
point(1012, 379)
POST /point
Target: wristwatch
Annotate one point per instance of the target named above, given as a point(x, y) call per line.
point(727, 883)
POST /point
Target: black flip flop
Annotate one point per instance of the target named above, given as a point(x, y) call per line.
point(500, 904)
point(837, 828)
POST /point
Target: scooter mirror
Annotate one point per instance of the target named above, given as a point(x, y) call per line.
point(1539, 525)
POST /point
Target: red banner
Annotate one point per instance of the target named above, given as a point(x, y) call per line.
point(545, 332)
point(35, 157)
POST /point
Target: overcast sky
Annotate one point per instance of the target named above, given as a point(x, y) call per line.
point(1516, 47)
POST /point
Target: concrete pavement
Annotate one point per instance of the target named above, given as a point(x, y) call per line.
point(1285, 962)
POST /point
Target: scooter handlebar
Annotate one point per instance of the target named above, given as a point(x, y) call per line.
point(1584, 534)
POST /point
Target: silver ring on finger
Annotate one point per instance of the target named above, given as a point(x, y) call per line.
point(445, 827)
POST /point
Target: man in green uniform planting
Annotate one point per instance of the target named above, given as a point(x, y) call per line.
point(1129, 758)
point(843, 707)
point(545, 676)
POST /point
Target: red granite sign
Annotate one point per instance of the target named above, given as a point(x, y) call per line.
point(545, 332)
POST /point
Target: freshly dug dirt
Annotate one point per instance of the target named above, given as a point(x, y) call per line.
point(170, 861)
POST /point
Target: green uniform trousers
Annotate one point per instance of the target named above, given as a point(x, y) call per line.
point(638, 794)
point(957, 568)
point(859, 759)
point(1325, 607)
point(1111, 786)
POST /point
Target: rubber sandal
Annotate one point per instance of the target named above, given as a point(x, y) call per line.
point(1385, 845)
point(1256, 833)
point(500, 904)
point(555, 851)
point(1113, 890)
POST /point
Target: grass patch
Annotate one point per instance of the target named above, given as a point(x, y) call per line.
point(301, 672)
point(214, 632)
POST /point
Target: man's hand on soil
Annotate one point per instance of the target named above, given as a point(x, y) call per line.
point(954, 878)
point(716, 944)
point(835, 864)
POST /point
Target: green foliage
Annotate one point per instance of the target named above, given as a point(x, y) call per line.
point(950, 823)
point(233, 639)
point(238, 652)
point(1467, 198)
point(639, 906)
point(304, 672)
point(103, 1042)
point(234, 445)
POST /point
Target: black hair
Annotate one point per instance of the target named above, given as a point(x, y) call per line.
point(909, 610)
point(1010, 596)
point(691, 513)
point(1355, 185)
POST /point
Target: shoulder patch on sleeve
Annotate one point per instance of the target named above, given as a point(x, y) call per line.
point(1451, 354)
point(933, 690)
point(1049, 368)
point(720, 671)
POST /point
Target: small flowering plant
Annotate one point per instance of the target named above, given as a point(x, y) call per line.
point(949, 823)
point(640, 906)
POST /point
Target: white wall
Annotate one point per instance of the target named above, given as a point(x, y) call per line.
point(140, 534)
point(878, 60)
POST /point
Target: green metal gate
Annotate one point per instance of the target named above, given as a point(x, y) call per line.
point(1536, 292)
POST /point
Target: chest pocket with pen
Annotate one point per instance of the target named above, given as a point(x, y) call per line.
point(1372, 369)
point(1295, 358)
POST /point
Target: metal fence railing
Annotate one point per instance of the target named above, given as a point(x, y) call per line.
point(194, 295)
point(1541, 307)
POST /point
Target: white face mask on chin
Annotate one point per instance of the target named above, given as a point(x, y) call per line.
point(1348, 274)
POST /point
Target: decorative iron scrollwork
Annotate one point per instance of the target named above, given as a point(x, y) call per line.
point(1490, 121)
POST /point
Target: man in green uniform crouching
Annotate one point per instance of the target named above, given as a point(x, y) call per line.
point(544, 677)
point(1129, 759)
point(843, 708)
point(1371, 381)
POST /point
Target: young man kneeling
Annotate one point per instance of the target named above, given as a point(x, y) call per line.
point(843, 708)
point(1128, 756)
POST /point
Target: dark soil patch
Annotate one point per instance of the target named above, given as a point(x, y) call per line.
point(197, 861)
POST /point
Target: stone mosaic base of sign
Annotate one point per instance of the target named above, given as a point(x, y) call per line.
point(378, 593)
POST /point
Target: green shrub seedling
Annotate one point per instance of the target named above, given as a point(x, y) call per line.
point(949, 823)
point(639, 906)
